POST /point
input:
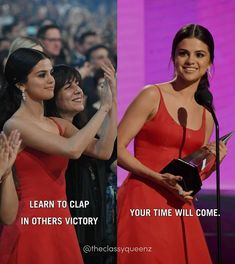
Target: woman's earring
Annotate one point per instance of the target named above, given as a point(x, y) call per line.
point(209, 72)
point(23, 95)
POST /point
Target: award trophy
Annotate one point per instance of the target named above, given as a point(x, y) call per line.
point(193, 166)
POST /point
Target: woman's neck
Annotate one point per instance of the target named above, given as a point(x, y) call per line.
point(33, 109)
point(68, 116)
point(185, 88)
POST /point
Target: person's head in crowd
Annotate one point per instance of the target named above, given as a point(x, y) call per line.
point(97, 55)
point(28, 79)
point(68, 97)
point(85, 41)
point(4, 43)
point(7, 31)
point(25, 42)
point(50, 37)
point(13, 30)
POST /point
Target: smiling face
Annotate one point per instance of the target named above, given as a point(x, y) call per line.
point(70, 99)
point(40, 83)
point(192, 59)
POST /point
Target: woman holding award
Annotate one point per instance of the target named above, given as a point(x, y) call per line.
point(166, 123)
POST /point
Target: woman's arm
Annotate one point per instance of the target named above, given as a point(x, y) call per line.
point(103, 147)
point(4, 154)
point(142, 109)
point(35, 137)
point(209, 127)
point(8, 200)
point(137, 114)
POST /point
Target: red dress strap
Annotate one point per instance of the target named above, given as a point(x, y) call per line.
point(61, 131)
point(161, 97)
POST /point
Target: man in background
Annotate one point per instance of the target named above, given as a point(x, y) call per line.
point(82, 43)
point(51, 39)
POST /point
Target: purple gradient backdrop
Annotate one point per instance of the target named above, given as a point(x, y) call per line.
point(145, 33)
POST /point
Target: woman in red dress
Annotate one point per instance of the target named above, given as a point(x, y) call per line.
point(40, 233)
point(166, 123)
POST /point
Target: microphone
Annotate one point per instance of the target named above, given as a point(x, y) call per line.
point(205, 98)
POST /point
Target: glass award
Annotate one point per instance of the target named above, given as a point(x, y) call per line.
point(192, 167)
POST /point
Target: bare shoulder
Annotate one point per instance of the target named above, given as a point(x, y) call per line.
point(165, 87)
point(62, 122)
point(68, 128)
point(14, 123)
point(147, 99)
point(150, 92)
point(146, 103)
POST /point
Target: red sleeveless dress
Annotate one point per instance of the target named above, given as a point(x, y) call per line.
point(158, 239)
point(47, 239)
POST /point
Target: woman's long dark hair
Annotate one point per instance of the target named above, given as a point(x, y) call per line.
point(18, 66)
point(201, 33)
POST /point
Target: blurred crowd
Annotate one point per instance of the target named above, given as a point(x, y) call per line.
point(81, 25)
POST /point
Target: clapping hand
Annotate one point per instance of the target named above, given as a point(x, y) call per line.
point(110, 76)
point(8, 151)
point(4, 154)
point(105, 95)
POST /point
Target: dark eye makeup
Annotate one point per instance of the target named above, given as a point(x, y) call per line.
point(199, 54)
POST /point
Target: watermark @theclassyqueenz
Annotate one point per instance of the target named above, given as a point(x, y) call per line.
point(109, 249)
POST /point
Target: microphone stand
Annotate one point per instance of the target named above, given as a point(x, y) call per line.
point(218, 203)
